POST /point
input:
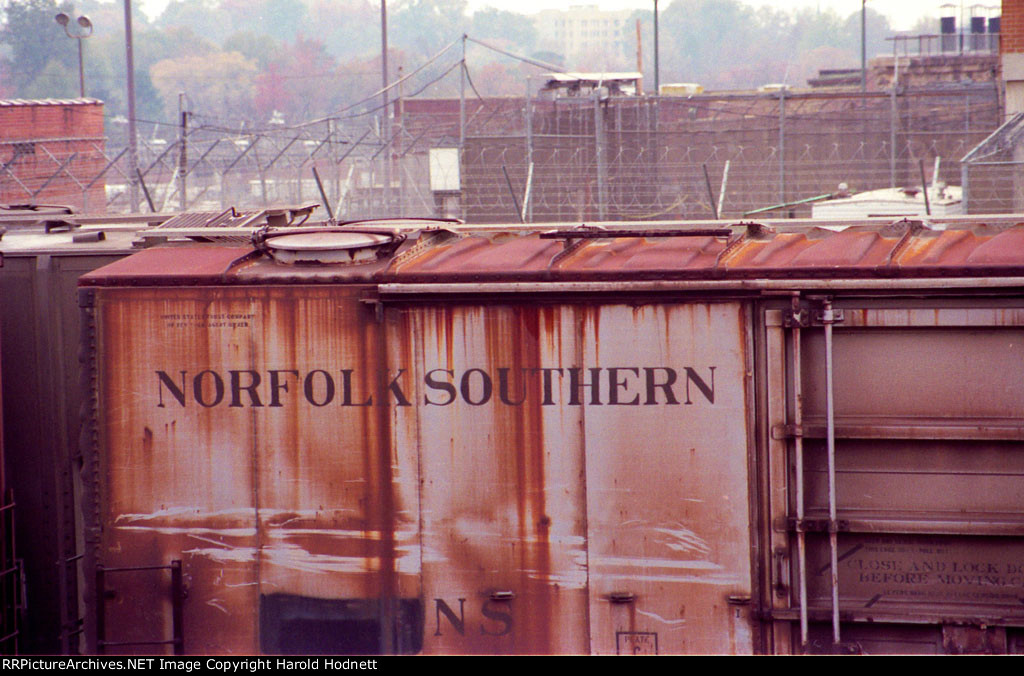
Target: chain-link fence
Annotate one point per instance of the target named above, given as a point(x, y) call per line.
point(573, 158)
point(993, 172)
point(668, 158)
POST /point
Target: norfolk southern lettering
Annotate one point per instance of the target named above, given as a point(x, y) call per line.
point(574, 386)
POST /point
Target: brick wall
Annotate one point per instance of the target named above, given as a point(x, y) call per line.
point(50, 150)
point(1012, 27)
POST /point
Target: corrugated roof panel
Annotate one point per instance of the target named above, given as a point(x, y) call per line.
point(889, 250)
point(961, 248)
point(190, 219)
point(772, 253)
point(170, 265)
point(1006, 248)
point(846, 249)
point(480, 255)
point(638, 253)
point(951, 247)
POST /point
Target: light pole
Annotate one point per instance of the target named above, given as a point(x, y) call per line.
point(83, 21)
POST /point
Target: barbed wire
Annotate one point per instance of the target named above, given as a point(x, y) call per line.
point(649, 166)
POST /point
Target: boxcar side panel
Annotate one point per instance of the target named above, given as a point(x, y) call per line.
point(501, 462)
point(176, 479)
point(42, 402)
point(248, 435)
point(667, 481)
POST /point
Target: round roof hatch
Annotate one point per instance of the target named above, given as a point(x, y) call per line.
point(327, 246)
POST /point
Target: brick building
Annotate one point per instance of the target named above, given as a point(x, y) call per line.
point(1012, 53)
point(51, 152)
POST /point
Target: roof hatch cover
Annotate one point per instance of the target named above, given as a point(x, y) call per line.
point(327, 246)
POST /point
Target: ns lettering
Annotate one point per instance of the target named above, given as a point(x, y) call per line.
point(572, 386)
point(497, 617)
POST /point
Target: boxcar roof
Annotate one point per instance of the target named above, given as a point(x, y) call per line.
point(967, 247)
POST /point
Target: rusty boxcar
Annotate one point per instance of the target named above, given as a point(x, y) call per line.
point(39, 274)
point(429, 438)
point(43, 252)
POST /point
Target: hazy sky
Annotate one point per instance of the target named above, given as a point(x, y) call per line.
point(902, 13)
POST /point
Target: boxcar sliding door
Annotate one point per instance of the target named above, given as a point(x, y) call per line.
point(896, 469)
point(583, 474)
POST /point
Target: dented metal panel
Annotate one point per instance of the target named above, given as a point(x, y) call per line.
point(567, 456)
point(619, 453)
point(876, 363)
point(903, 249)
point(667, 487)
point(241, 437)
point(501, 459)
point(481, 460)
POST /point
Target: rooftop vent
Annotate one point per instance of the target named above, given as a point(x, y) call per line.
point(328, 246)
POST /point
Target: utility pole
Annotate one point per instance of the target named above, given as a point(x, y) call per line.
point(386, 127)
point(863, 47)
point(639, 57)
point(183, 156)
point(396, 145)
point(462, 100)
point(133, 151)
point(599, 155)
point(462, 126)
point(657, 74)
point(527, 214)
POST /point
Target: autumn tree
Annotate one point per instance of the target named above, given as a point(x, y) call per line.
point(729, 44)
point(260, 48)
point(422, 27)
point(348, 28)
point(516, 31)
point(204, 17)
point(220, 84)
point(285, 19)
point(32, 39)
point(299, 82)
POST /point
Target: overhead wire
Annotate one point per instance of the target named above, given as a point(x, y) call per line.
point(397, 82)
point(533, 62)
point(470, 81)
point(337, 113)
point(415, 93)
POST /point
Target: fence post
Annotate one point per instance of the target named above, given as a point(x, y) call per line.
point(602, 187)
point(183, 156)
point(528, 215)
point(782, 145)
point(964, 187)
point(893, 118)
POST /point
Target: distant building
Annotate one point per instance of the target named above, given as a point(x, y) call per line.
point(914, 70)
point(948, 57)
point(1012, 53)
point(51, 152)
point(558, 85)
point(585, 29)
